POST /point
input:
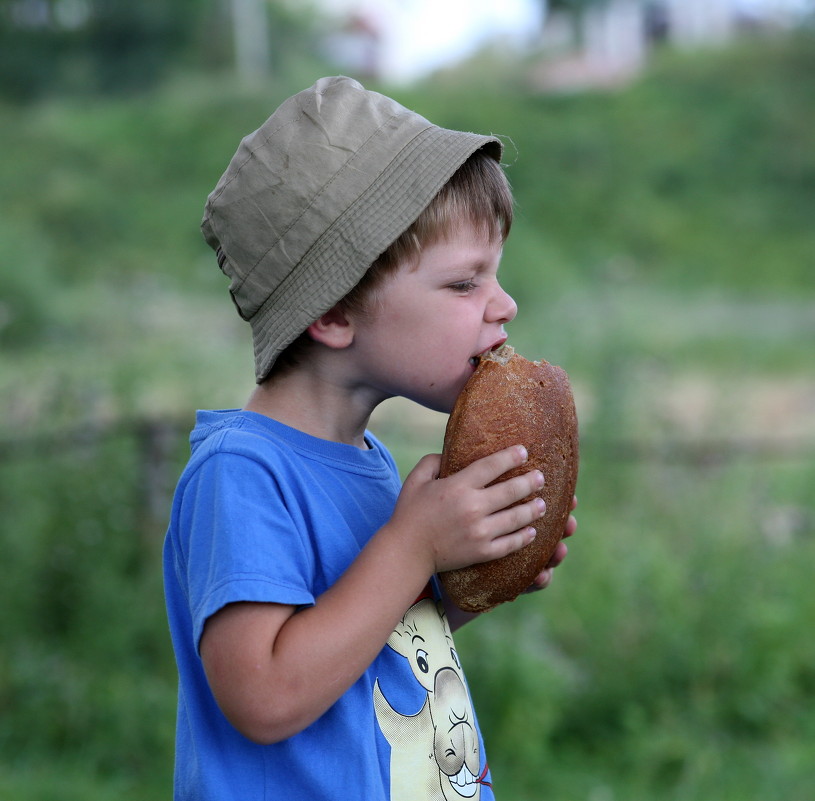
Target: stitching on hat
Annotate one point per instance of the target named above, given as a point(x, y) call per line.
point(360, 198)
point(330, 230)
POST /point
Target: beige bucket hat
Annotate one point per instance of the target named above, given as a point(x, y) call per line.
point(312, 198)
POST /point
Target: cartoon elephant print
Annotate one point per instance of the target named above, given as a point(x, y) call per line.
point(435, 754)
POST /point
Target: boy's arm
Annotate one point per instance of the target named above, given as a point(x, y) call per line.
point(274, 671)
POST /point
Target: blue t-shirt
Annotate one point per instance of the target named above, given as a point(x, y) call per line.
point(265, 513)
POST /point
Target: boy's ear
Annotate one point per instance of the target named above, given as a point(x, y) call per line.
point(333, 329)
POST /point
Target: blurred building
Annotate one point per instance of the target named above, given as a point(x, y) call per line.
point(355, 44)
point(610, 42)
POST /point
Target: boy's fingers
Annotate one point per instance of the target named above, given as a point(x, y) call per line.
point(559, 555)
point(517, 517)
point(506, 493)
point(486, 470)
point(509, 543)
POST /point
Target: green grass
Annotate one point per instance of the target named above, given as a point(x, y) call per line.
point(663, 253)
point(668, 659)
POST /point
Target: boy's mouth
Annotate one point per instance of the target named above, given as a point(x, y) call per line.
point(474, 360)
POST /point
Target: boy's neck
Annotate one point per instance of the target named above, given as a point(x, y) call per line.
point(304, 400)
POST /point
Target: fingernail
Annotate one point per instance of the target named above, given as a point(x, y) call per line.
point(539, 478)
point(541, 504)
point(523, 452)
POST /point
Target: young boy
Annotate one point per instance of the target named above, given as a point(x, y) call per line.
point(313, 643)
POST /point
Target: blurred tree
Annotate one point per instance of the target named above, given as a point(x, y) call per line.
point(251, 38)
point(91, 46)
point(575, 9)
point(296, 31)
point(132, 44)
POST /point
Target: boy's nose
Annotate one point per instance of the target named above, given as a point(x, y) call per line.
point(502, 308)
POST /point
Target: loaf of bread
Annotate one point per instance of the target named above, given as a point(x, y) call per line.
point(512, 401)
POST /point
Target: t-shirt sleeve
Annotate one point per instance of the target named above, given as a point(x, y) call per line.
point(240, 541)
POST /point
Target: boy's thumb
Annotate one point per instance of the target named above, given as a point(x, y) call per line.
point(427, 468)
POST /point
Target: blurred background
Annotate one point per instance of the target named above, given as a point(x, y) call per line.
point(663, 159)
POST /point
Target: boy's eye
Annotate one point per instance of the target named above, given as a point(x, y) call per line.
point(463, 286)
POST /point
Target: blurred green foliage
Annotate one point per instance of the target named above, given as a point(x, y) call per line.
point(113, 48)
point(669, 661)
point(86, 678)
point(664, 231)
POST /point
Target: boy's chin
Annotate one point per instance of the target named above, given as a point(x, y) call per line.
point(439, 404)
point(440, 398)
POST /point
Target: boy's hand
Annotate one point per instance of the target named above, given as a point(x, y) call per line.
point(544, 578)
point(460, 521)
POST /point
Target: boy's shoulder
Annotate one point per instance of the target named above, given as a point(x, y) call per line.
point(251, 435)
point(242, 432)
point(228, 429)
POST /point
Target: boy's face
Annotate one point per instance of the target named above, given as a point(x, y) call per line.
point(432, 321)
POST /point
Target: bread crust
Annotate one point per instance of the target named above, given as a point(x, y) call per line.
point(512, 401)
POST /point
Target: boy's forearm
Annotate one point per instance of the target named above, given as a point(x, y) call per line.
point(274, 688)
